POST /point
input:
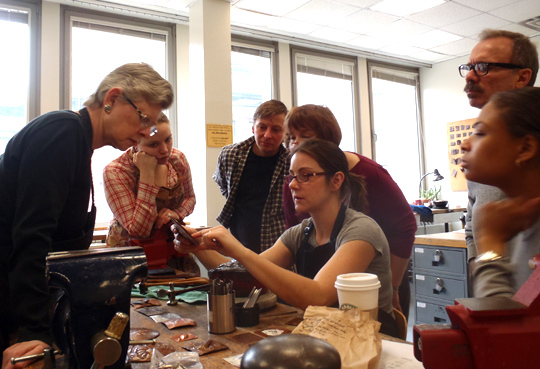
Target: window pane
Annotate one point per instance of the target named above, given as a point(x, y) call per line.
point(329, 83)
point(14, 76)
point(251, 86)
point(89, 68)
point(396, 130)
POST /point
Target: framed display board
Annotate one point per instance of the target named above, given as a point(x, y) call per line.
point(457, 132)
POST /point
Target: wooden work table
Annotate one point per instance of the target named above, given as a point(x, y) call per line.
point(449, 239)
point(277, 317)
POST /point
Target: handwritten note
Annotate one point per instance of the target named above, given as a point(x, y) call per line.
point(398, 355)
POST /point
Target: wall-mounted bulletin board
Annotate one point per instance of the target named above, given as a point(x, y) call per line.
point(457, 132)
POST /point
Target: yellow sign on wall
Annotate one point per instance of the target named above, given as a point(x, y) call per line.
point(457, 132)
point(218, 135)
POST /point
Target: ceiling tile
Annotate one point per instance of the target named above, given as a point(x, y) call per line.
point(368, 42)
point(401, 49)
point(332, 34)
point(519, 11)
point(403, 8)
point(364, 21)
point(245, 17)
point(399, 30)
point(274, 7)
point(322, 12)
point(458, 48)
point(485, 5)
point(471, 27)
point(292, 26)
point(359, 3)
point(434, 38)
point(443, 15)
point(427, 55)
point(513, 27)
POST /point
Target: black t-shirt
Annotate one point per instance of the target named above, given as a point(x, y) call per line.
point(250, 199)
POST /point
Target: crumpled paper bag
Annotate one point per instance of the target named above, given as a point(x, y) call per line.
point(352, 332)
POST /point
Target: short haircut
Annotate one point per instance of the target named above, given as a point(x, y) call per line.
point(520, 110)
point(139, 81)
point(268, 109)
point(524, 53)
point(316, 118)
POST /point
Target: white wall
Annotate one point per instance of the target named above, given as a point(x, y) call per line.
point(443, 101)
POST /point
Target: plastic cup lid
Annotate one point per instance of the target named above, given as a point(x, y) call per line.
point(357, 280)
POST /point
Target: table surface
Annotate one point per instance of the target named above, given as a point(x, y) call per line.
point(277, 317)
point(449, 239)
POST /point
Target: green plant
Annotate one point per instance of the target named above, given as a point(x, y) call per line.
point(431, 193)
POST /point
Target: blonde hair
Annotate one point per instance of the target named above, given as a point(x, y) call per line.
point(139, 81)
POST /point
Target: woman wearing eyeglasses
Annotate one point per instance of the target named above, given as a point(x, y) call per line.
point(46, 193)
point(385, 201)
point(333, 241)
point(147, 186)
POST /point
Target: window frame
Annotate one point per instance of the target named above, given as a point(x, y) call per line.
point(335, 57)
point(70, 14)
point(242, 42)
point(33, 7)
point(420, 123)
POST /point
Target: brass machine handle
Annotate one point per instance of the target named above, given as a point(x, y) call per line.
point(106, 345)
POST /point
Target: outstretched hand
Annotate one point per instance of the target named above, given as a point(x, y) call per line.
point(218, 239)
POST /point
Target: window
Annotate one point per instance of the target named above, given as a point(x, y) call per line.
point(252, 83)
point(18, 67)
point(330, 81)
point(122, 41)
point(396, 125)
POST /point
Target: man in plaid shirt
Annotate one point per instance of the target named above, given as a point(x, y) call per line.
point(250, 175)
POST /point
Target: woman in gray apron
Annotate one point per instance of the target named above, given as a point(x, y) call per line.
point(334, 241)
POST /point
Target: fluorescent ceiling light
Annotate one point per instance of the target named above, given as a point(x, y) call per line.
point(403, 8)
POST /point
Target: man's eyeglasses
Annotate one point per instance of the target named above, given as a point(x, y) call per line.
point(481, 69)
point(302, 177)
point(145, 121)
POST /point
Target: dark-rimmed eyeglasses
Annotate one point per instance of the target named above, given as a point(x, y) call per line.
point(145, 121)
point(481, 69)
point(302, 177)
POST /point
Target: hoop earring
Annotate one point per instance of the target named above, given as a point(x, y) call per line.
point(107, 108)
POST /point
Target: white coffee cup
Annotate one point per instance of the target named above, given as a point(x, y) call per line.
point(358, 290)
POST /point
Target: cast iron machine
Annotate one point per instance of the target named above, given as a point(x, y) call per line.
point(92, 291)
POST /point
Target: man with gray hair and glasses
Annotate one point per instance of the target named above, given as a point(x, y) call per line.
point(501, 61)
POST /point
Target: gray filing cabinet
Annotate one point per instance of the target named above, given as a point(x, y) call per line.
point(440, 275)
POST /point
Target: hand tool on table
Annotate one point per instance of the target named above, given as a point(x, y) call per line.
point(171, 293)
point(177, 282)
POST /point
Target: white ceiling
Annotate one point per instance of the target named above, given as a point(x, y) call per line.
point(398, 28)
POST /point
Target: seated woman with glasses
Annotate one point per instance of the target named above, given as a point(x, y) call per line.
point(505, 152)
point(333, 241)
point(146, 186)
point(385, 201)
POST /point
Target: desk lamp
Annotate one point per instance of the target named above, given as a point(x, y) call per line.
point(438, 177)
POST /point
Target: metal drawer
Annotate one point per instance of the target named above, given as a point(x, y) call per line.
point(440, 259)
point(439, 287)
point(431, 313)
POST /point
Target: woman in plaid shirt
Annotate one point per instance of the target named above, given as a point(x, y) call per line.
point(146, 186)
